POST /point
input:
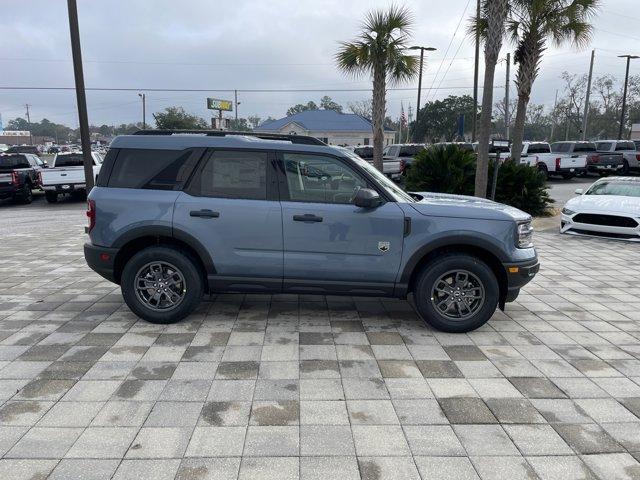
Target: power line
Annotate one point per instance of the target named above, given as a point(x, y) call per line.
point(211, 90)
point(450, 42)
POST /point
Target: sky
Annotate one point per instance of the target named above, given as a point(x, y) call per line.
point(249, 45)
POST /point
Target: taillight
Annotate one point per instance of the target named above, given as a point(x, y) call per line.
point(594, 158)
point(402, 165)
point(638, 157)
point(91, 214)
point(558, 163)
point(39, 174)
point(14, 178)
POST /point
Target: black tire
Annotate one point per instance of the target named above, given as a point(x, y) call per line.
point(51, 197)
point(192, 289)
point(26, 195)
point(544, 170)
point(625, 168)
point(437, 268)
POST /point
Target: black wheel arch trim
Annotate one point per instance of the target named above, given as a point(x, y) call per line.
point(447, 240)
point(170, 232)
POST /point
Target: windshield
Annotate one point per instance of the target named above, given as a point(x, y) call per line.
point(391, 188)
point(624, 189)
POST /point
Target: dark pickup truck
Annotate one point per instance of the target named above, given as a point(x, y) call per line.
point(18, 176)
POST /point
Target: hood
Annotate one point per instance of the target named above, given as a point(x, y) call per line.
point(606, 204)
point(464, 206)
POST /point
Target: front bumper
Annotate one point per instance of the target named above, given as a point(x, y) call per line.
point(101, 260)
point(568, 226)
point(518, 275)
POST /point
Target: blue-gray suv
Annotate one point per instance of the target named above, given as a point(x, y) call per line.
point(175, 215)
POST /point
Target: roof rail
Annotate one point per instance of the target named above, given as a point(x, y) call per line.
point(299, 139)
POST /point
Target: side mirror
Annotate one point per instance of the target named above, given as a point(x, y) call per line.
point(578, 191)
point(367, 198)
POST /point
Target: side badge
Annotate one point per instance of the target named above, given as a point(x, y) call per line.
point(384, 246)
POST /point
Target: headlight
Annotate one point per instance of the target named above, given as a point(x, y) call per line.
point(567, 211)
point(525, 235)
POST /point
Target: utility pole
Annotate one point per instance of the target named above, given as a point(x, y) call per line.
point(475, 76)
point(624, 94)
point(81, 98)
point(235, 94)
point(422, 50)
point(143, 96)
point(586, 101)
point(506, 98)
point(29, 123)
point(553, 116)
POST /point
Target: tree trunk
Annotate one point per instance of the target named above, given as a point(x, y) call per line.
point(527, 72)
point(379, 92)
point(518, 127)
point(495, 12)
point(484, 133)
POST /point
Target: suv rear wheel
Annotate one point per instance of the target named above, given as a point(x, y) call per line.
point(456, 293)
point(161, 284)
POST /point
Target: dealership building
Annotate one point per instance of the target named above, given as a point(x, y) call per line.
point(333, 128)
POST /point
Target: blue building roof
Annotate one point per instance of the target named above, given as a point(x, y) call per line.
point(321, 120)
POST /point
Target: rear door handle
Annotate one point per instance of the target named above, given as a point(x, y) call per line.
point(204, 213)
point(307, 217)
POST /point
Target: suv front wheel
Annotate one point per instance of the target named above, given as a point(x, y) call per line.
point(161, 284)
point(456, 293)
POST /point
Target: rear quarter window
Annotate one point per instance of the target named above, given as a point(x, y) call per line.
point(152, 169)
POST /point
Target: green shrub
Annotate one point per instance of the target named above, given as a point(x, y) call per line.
point(444, 169)
point(448, 169)
point(521, 186)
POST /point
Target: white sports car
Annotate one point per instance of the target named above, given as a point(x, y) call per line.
point(609, 208)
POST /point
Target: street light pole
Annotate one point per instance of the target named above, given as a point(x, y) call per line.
point(83, 119)
point(422, 50)
point(624, 94)
point(143, 96)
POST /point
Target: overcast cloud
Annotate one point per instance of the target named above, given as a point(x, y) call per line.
point(248, 44)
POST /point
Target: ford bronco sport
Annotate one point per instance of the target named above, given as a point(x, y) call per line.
point(177, 214)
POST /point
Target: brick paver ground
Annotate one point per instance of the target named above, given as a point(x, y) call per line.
point(287, 387)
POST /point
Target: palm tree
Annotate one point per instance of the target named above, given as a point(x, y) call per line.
point(490, 27)
point(378, 50)
point(533, 24)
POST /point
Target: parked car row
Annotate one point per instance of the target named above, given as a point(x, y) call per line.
point(21, 173)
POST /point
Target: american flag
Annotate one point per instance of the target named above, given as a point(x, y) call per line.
point(403, 118)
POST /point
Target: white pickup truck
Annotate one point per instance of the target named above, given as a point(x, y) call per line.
point(66, 175)
point(398, 158)
point(564, 159)
point(627, 148)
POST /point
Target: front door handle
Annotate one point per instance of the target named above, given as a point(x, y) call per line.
point(307, 217)
point(204, 213)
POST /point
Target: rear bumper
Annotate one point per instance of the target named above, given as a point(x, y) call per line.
point(101, 260)
point(8, 191)
point(571, 170)
point(604, 167)
point(65, 188)
point(518, 275)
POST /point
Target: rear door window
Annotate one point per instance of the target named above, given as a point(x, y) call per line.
point(240, 174)
point(153, 169)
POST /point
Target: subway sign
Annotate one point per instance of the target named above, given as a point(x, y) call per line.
point(217, 104)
